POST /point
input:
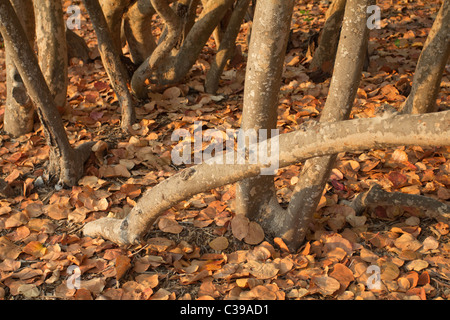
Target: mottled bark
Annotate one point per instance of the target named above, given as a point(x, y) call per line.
point(431, 64)
point(271, 25)
point(344, 84)
point(65, 163)
point(195, 41)
point(318, 140)
point(162, 51)
point(138, 30)
point(76, 46)
point(175, 66)
point(113, 11)
point(112, 63)
point(325, 54)
point(52, 47)
point(227, 47)
point(19, 109)
point(376, 196)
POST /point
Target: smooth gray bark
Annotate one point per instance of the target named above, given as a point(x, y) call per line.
point(271, 25)
point(52, 47)
point(344, 84)
point(431, 64)
point(432, 129)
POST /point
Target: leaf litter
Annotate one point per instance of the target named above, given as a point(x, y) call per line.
point(200, 249)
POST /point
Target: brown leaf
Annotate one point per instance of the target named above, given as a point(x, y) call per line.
point(29, 290)
point(172, 93)
point(407, 242)
point(16, 220)
point(398, 180)
point(417, 265)
point(325, 285)
point(255, 233)
point(114, 171)
point(161, 294)
point(160, 244)
point(278, 241)
point(83, 294)
point(34, 209)
point(169, 225)
point(35, 248)
point(263, 293)
point(240, 226)
point(389, 271)
point(13, 176)
point(94, 285)
point(122, 265)
point(424, 278)
point(335, 240)
point(263, 270)
point(219, 243)
point(430, 243)
point(58, 211)
point(148, 280)
point(442, 228)
point(342, 274)
point(19, 233)
point(9, 265)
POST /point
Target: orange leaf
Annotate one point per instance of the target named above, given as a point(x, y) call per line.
point(342, 274)
point(122, 265)
point(35, 248)
point(281, 244)
point(413, 278)
point(424, 278)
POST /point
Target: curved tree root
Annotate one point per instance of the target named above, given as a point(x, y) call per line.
point(377, 196)
point(318, 140)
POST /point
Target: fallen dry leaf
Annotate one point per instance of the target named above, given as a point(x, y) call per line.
point(122, 264)
point(219, 243)
point(255, 233)
point(169, 225)
point(324, 285)
point(240, 226)
point(35, 248)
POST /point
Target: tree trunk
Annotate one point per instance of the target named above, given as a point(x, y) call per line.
point(112, 63)
point(324, 56)
point(267, 50)
point(431, 64)
point(76, 46)
point(322, 138)
point(195, 40)
point(65, 162)
point(162, 51)
point(19, 109)
point(344, 84)
point(227, 47)
point(52, 47)
point(173, 68)
point(138, 30)
point(113, 11)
